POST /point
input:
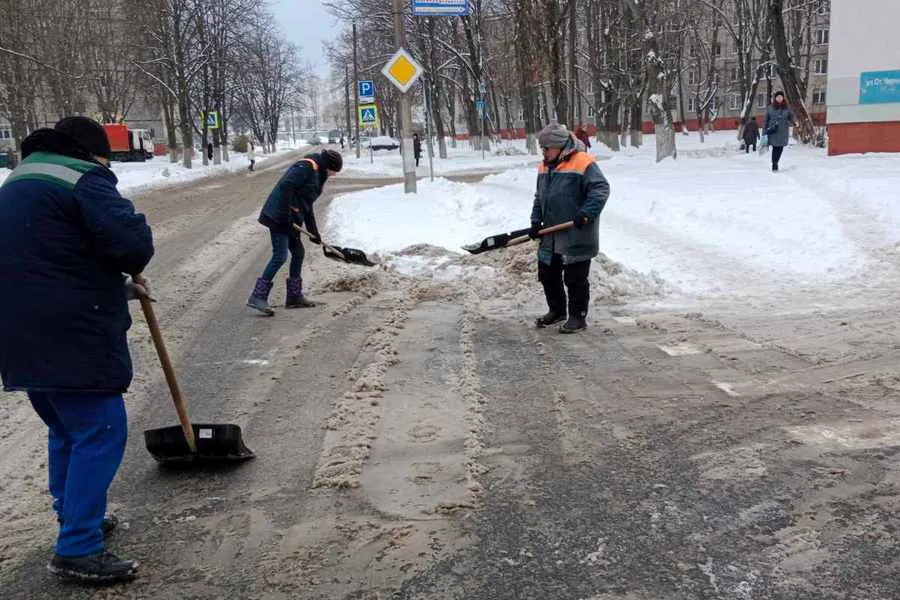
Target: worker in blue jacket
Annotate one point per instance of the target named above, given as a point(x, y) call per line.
point(290, 203)
point(71, 253)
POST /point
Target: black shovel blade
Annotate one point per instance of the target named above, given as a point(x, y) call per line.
point(352, 256)
point(495, 241)
point(215, 443)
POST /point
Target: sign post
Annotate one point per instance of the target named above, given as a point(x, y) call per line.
point(402, 70)
point(366, 91)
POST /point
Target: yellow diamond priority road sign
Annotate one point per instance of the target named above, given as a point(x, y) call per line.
point(402, 70)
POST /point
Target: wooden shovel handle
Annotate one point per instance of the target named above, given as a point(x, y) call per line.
point(324, 245)
point(177, 397)
point(553, 229)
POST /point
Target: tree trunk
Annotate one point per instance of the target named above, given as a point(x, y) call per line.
point(805, 126)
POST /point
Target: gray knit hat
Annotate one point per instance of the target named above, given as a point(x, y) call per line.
point(553, 135)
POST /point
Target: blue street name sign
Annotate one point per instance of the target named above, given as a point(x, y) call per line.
point(366, 91)
point(440, 8)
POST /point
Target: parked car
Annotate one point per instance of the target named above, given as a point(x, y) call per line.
point(383, 142)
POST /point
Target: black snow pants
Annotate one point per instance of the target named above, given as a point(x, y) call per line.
point(575, 277)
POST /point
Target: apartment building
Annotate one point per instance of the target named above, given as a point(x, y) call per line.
point(812, 30)
point(864, 87)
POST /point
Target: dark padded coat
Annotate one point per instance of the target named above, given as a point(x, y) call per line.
point(66, 238)
point(573, 185)
point(778, 119)
point(291, 200)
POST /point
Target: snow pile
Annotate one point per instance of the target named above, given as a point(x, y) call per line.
point(714, 227)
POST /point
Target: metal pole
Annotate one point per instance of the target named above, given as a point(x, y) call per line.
point(356, 86)
point(347, 97)
point(425, 91)
point(409, 162)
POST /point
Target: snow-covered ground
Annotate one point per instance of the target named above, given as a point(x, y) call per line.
point(716, 223)
point(159, 172)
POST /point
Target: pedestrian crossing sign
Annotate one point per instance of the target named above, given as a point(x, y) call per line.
point(368, 115)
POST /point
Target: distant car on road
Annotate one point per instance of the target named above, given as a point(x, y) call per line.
point(383, 142)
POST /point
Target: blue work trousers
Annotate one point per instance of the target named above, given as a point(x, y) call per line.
point(281, 244)
point(86, 445)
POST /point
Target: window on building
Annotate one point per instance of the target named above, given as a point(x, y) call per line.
point(735, 74)
point(692, 105)
point(591, 112)
point(770, 71)
point(822, 36)
point(717, 49)
point(824, 7)
point(692, 51)
point(819, 97)
point(820, 66)
point(761, 100)
point(692, 77)
point(734, 102)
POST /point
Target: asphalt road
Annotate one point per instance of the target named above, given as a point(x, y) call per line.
point(415, 441)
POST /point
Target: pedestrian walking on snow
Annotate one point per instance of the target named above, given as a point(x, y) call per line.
point(291, 203)
point(570, 187)
point(779, 120)
point(417, 148)
point(582, 136)
point(68, 240)
point(251, 156)
point(750, 134)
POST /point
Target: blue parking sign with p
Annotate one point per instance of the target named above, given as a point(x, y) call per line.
point(366, 91)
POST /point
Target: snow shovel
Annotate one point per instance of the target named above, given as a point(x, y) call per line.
point(513, 238)
point(188, 442)
point(354, 256)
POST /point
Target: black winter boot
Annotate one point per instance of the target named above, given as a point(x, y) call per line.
point(295, 297)
point(101, 568)
point(549, 319)
point(573, 325)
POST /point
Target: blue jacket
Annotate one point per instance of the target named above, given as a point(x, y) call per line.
point(66, 238)
point(778, 124)
point(291, 200)
point(574, 185)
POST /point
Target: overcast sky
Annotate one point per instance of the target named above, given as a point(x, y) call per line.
point(307, 24)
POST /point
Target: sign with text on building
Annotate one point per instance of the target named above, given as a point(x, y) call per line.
point(440, 8)
point(879, 87)
point(368, 115)
point(366, 91)
point(402, 70)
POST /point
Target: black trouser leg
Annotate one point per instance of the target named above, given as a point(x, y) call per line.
point(576, 278)
point(551, 277)
point(776, 154)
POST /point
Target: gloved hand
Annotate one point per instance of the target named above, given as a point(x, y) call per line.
point(136, 287)
point(580, 220)
point(533, 232)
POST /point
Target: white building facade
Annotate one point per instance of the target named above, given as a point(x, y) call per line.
point(864, 77)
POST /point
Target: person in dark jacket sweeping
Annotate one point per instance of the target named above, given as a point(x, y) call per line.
point(779, 119)
point(291, 203)
point(68, 240)
point(570, 187)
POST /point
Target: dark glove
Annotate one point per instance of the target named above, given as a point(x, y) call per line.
point(315, 238)
point(580, 220)
point(533, 232)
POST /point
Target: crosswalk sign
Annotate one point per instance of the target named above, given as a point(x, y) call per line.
point(368, 115)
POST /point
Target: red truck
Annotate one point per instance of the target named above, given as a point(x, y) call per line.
point(129, 145)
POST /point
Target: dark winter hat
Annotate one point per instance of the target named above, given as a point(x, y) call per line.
point(778, 93)
point(553, 136)
point(89, 134)
point(332, 160)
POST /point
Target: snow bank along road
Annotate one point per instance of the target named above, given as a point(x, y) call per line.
point(417, 439)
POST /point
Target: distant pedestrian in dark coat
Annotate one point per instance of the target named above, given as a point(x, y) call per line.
point(779, 119)
point(582, 135)
point(67, 242)
point(751, 134)
point(417, 148)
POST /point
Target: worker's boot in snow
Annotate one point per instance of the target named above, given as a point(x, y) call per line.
point(295, 297)
point(100, 568)
point(573, 325)
point(549, 319)
point(259, 299)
